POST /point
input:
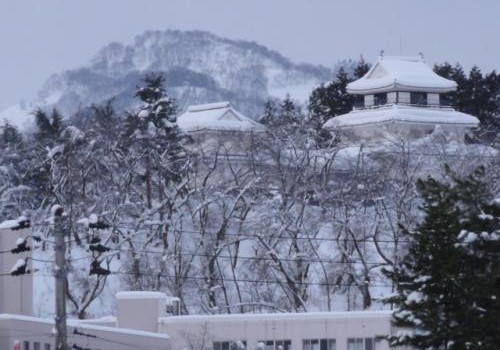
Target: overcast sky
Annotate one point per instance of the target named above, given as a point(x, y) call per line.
point(41, 37)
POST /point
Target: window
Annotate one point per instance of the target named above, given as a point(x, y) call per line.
point(230, 345)
point(36, 345)
point(46, 347)
point(380, 99)
point(446, 99)
point(361, 344)
point(26, 345)
point(274, 345)
point(318, 344)
point(369, 344)
point(359, 101)
point(418, 98)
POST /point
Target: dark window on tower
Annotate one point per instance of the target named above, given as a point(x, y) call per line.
point(359, 101)
point(418, 98)
point(446, 99)
point(380, 99)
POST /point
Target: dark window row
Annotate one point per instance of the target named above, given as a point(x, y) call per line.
point(307, 344)
point(416, 98)
point(36, 346)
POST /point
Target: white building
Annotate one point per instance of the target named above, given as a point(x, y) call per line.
point(219, 127)
point(403, 97)
point(216, 117)
point(142, 322)
point(16, 292)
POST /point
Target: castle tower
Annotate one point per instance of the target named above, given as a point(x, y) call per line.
point(400, 96)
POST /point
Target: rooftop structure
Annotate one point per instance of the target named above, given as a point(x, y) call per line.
point(400, 95)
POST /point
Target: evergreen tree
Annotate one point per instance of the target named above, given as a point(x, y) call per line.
point(10, 135)
point(330, 100)
point(48, 128)
point(284, 121)
point(290, 115)
point(157, 164)
point(270, 113)
point(447, 296)
point(153, 128)
point(475, 94)
point(361, 69)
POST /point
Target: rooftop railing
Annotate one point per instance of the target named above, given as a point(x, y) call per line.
point(428, 105)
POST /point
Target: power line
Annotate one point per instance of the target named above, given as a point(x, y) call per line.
point(231, 279)
point(260, 258)
point(235, 257)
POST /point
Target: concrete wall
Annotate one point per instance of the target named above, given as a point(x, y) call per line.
point(369, 101)
point(392, 97)
point(374, 133)
point(404, 97)
point(208, 142)
point(433, 99)
point(201, 331)
point(16, 292)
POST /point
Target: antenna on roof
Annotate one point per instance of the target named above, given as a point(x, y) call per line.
point(401, 46)
point(381, 54)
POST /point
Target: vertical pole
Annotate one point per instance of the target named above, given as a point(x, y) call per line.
point(60, 277)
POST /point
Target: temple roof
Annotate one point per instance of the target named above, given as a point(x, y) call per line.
point(218, 116)
point(395, 73)
point(405, 114)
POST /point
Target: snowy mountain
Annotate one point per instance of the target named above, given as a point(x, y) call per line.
point(199, 67)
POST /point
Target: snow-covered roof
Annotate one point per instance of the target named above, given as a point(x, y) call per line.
point(17, 224)
point(73, 323)
point(301, 316)
point(216, 117)
point(397, 113)
point(140, 295)
point(396, 73)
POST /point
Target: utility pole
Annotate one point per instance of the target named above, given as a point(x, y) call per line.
point(60, 277)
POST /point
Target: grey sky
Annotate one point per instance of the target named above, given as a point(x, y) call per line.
point(38, 38)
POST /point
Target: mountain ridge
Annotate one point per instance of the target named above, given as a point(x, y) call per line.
point(199, 67)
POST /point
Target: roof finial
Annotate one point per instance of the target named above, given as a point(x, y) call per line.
point(421, 56)
point(382, 54)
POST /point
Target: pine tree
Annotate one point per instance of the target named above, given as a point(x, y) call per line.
point(332, 99)
point(10, 135)
point(443, 293)
point(361, 69)
point(290, 115)
point(270, 112)
point(475, 94)
point(157, 163)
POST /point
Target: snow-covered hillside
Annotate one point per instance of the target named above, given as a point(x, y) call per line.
point(200, 67)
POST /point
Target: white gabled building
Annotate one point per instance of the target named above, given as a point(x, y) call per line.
point(400, 96)
point(215, 118)
point(216, 126)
